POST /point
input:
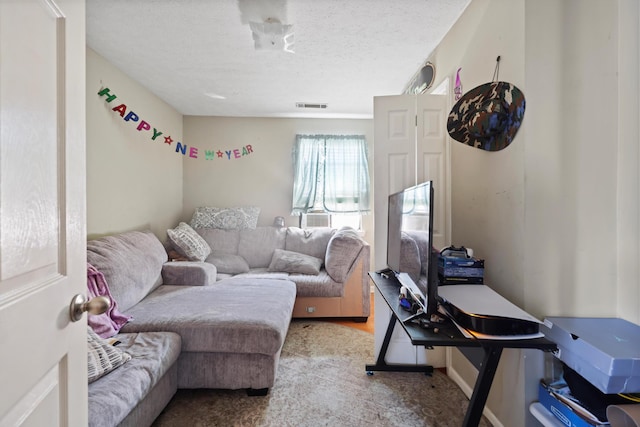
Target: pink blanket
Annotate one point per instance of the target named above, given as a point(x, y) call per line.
point(109, 323)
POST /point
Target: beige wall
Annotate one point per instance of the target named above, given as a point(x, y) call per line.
point(263, 177)
point(556, 212)
point(133, 182)
point(628, 194)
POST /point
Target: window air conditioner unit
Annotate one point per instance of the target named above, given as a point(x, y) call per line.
point(315, 220)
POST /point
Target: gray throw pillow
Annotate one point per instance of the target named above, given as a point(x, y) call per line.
point(188, 243)
point(228, 263)
point(294, 262)
point(102, 357)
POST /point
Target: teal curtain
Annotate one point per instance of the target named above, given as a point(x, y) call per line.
point(306, 161)
point(331, 173)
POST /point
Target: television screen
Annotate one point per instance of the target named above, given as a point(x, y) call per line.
point(411, 211)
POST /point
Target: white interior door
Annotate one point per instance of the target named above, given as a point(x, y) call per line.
point(43, 368)
point(410, 146)
point(432, 159)
point(394, 157)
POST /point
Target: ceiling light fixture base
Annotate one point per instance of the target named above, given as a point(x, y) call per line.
point(272, 35)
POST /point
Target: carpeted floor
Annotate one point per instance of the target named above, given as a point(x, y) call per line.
point(321, 381)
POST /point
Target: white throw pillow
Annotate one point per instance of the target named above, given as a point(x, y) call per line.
point(102, 357)
point(189, 243)
point(239, 218)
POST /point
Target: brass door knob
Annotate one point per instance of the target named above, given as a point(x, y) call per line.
point(79, 305)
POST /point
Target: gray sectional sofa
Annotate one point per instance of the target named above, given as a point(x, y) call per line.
point(219, 322)
point(200, 334)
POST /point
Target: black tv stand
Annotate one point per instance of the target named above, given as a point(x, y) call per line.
point(447, 335)
point(387, 273)
point(382, 365)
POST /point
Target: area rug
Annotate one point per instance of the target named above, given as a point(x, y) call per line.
point(321, 381)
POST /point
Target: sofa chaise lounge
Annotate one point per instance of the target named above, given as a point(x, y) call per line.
point(225, 334)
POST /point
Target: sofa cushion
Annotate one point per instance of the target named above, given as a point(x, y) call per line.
point(310, 241)
point(237, 218)
point(262, 273)
point(257, 246)
point(321, 285)
point(221, 240)
point(102, 357)
point(190, 273)
point(294, 262)
point(342, 251)
point(228, 263)
point(131, 263)
point(188, 243)
point(235, 315)
point(114, 396)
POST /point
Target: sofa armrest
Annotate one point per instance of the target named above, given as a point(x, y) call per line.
point(343, 250)
point(190, 273)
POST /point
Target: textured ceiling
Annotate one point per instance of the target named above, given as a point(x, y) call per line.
point(346, 51)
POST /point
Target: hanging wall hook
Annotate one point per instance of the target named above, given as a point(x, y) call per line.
point(497, 70)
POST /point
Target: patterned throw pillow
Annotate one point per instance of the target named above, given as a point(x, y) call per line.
point(102, 357)
point(189, 243)
point(240, 218)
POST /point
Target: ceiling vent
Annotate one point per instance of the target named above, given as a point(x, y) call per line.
point(310, 105)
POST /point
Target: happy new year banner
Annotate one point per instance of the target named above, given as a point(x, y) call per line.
point(128, 115)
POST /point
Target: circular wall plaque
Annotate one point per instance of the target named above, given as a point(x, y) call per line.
point(424, 79)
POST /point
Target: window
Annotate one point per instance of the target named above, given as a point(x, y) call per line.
point(331, 179)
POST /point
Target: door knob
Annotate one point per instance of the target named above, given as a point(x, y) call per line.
point(79, 305)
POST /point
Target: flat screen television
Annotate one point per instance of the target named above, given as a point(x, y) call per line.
point(411, 210)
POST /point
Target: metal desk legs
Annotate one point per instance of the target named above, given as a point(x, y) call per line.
point(482, 386)
point(382, 365)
